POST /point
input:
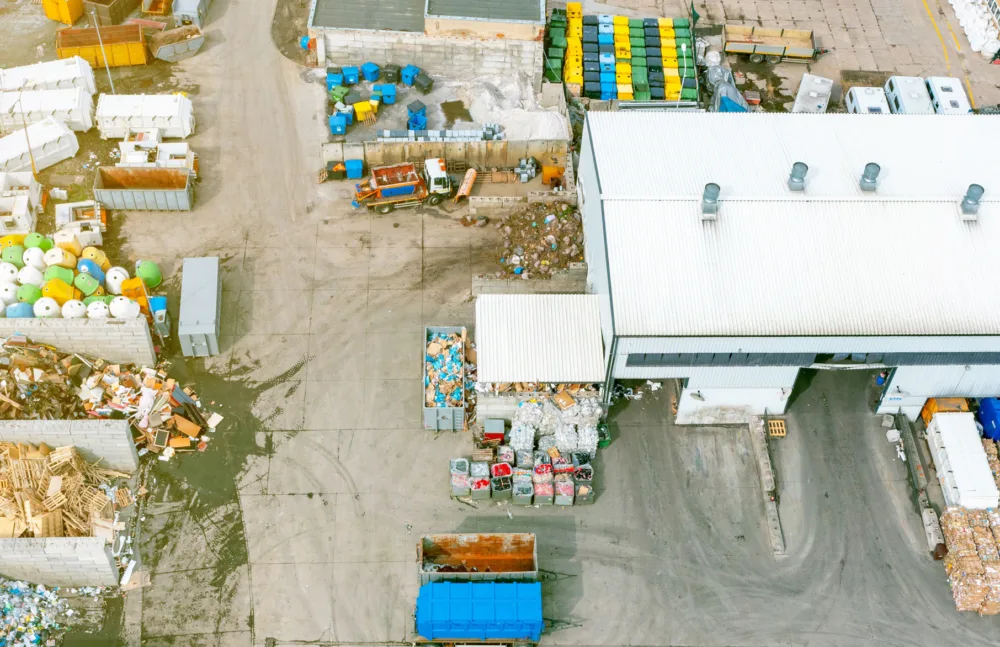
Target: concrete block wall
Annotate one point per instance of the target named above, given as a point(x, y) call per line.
point(59, 561)
point(570, 281)
point(125, 341)
point(110, 440)
point(437, 55)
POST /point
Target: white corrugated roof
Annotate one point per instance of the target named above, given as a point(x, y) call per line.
point(669, 155)
point(770, 268)
point(539, 338)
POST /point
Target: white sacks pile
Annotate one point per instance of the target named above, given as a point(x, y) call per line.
point(979, 24)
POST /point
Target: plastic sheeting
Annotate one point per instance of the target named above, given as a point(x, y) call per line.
point(728, 99)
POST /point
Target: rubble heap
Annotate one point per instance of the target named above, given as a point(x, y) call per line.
point(444, 365)
point(47, 492)
point(973, 560)
point(992, 458)
point(540, 239)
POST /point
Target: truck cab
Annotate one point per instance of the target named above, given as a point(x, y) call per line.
point(436, 175)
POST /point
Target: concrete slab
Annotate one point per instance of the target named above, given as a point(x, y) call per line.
point(298, 527)
point(297, 601)
point(307, 463)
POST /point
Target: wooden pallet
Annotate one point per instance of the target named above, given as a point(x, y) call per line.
point(776, 428)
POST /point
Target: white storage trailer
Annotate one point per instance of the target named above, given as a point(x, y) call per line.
point(51, 142)
point(119, 114)
point(866, 101)
point(907, 95)
point(62, 74)
point(960, 460)
point(813, 95)
point(74, 107)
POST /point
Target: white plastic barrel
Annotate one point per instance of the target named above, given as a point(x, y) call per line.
point(124, 308)
point(35, 257)
point(97, 310)
point(30, 275)
point(114, 278)
point(74, 309)
point(8, 293)
point(8, 272)
point(47, 308)
point(59, 256)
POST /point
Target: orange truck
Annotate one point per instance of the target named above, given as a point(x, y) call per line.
point(404, 185)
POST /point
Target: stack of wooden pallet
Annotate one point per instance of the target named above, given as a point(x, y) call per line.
point(46, 492)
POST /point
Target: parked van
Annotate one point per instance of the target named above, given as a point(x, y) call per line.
point(861, 100)
point(947, 95)
point(908, 95)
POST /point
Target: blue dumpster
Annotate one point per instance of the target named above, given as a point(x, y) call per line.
point(480, 611)
point(370, 71)
point(338, 124)
point(409, 74)
point(355, 169)
point(351, 75)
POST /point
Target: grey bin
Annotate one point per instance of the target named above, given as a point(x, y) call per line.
point(201, 305)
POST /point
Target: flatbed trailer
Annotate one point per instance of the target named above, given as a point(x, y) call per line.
point(772, 45)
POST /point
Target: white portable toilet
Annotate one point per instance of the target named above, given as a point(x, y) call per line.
point(867, 101)
point(947, 95)
point(907, 95)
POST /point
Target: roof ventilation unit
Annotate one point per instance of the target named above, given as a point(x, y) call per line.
point(970, 202)
point(797, 178)
point(710, 202)
point(869, 178)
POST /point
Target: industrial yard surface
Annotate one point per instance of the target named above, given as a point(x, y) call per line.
point(300, 526)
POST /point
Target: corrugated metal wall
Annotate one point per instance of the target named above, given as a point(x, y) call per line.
point(709, 377)
point(593, 229)
point(923, 344)
point(481, 154)
point(973, 381)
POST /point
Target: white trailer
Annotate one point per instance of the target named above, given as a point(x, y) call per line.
point(21, 183)
point(867, 101)
point(813, 95)
point(74, 107)
point(51, 142)
point(120, 114)
point(62, 74)
point(948, 96)
point(960, 461)
point(908, 95)
point(170, 155)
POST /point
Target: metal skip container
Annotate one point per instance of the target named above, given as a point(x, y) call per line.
point(72, 106)
point(483, 557)
point(201, 307)
point(176, 44)
point(144, 189)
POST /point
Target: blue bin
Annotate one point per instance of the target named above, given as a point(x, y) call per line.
point(605, 19)
point(156, 304)
point(607, 77)
point(338, 124)
point(409, 74)
point(608, 67)
point(388, 93)
point(606, 58)
point(989, 417)
point(417, 122)
point(88, 266)
point(480, 611)
point(20, 310)
point(348, 114)
point(333, 79)
point(351, 74)
point(415, 108)
point(370, 71)
point(355, 169)
point(605, 28)
point(304, 42)
point(606, 39)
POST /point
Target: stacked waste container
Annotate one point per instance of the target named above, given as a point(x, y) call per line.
point(615, 57)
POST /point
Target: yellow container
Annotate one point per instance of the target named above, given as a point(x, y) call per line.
point(621, 30)
point(668, 52)
point(666, 22)
point(362, 110)
point(620, 20)
point(60, 291)
point(667, 34)
point(64, 11)
point(621, 66)
point(123, 44)
point(67, 240)
point(573, 78)
point(574, 10)
point(626, 96)
point(624, 88)
point(623, 54)
point(672, 84)
point(623, 78)
point(574, 31)
point(574, 45)
point(98, 256)
point(670, 62)
point(12, 239)
point(670, 72)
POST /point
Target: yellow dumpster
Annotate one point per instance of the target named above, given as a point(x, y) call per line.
point(64, 11)
point(123, 45)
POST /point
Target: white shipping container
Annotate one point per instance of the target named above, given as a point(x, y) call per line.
point(21, 183)
point(62, 74)
point(119, 114)
point(51, 142)
point(74, 107)
point(960, 461)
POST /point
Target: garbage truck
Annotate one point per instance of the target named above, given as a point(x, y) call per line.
point(404, 185)
point(479, 588)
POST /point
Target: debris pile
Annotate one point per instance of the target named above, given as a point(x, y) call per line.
point(540, 239)
point(537, 387)
point(992, 458)
point(31, 615)
point(444, 366)
point(45, 384)
point(46, 492)
point(973, 560)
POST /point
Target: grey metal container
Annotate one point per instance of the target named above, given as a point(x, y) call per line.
point(523, 494)
point(478, 557)
point(201, 307)
point(176, 44)
point(109, 12)
point(144, 189)
point(191, 12)
point(444, 418)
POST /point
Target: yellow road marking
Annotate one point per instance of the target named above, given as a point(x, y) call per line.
point(972, 100)
point(944, 49)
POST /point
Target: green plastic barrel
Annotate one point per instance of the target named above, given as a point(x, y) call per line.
point(149, 272)
point(64, 274)
point(13, 255)
point(103, 299)
point(37, 240)
point(29, 293)
point(86, 283)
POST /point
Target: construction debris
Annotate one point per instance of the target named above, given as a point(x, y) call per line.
point(47, 492)
point(540, 239)
point(973, 560)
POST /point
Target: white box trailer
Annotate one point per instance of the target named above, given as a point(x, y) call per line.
point(22, 183)
point(169, 155)
point(960, 461)
point(813, 95)
point(51, 142)
point(74, 107)
point(119, 114)
point(62, 74)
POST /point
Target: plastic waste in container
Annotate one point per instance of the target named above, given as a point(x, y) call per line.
point(30, 275)
point(13, 255)
point(74, 309)
point(47, 308)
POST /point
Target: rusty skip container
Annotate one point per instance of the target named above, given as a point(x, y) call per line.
point(178, 44)
point(123, 45)
point(478, 557)
point(144, 189)
point(110, 12)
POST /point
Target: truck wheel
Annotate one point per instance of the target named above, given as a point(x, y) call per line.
point(774, 60)
point(435, 199)
point(756, 58)
point(383, 209)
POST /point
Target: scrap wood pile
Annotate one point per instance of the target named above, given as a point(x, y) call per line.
point(45, 384)
point(46, 492)
point(540, 239)
point(973, 560)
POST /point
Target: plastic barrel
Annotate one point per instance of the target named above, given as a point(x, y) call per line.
point(29, 293)
point(86, 284)
point(87, 266)
point(98, 256)
point(67, 240)
point(98, 298)
point(8, 272)
point(64, 274)
point(35, 257)
point(30, 275)
point(13, 254)
point(20, 311)
point(98, 310)
point(11, 240)
point(149, 272)
point(74, 309)
point(124, 308)
point(47, 308)
point(8, 293)
point(61, 257)
point(114, 278)
point(37, 240)
point(60, 291)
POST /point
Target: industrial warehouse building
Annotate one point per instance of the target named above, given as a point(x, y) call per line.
point(714, 263)
point(448, 38)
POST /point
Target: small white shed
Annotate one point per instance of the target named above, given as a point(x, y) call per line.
point(74, 107)
point(51, 142)
point(118, 114)
point(61, 74)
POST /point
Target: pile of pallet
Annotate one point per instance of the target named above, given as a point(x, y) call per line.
point(46, 492)
point(973, 560)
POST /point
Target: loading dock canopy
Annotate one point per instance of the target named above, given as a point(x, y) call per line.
point(554, 338)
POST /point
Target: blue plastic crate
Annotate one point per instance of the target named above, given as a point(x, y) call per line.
point(606, 58)
point(355, 169)
point(409, 73)
point(351, 74)
point(480, 611)
point(388, 91)
point(607, 77)
point(606, 39)
point(370, 71)
point(338, 124)
point(607, 67)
